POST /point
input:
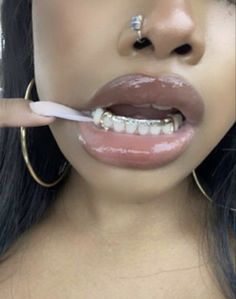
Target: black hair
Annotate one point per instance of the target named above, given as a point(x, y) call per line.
point(23, 202)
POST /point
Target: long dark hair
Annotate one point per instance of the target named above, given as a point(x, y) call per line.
point(23, 202)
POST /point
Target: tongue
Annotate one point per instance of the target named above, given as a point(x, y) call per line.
point(138, 112)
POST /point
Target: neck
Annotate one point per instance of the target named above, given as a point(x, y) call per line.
point(129, 214)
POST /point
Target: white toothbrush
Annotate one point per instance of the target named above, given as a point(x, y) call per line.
point(47, 108)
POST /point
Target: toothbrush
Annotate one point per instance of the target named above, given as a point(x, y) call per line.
point(47, 108)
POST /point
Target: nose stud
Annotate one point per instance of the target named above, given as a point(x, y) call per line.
point(136, 25)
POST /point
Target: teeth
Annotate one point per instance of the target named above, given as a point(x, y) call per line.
point(97, 114)
point(107, 120)
point(168, 127)
point(143, 106)
point(131, 126)
point(177, 120)
point(161, 107)
point(155, 128)
point(153, 106)
point(118, 124)
point(143, 128)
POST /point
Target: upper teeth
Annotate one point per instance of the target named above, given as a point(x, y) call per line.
point(161, 107)
point(153, 106)
point(140, 126)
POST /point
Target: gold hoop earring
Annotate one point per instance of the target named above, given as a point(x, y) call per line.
point(25, 153)
point(203, 191)
point(200, 187)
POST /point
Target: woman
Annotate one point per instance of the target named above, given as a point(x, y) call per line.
point(107, 212)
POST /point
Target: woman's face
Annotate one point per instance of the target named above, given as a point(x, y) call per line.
point(80, 45)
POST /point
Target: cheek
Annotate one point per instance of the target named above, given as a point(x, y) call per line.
point(57, 23)
point(221, 84)
point(63, 35)
point(214, 76)
point(218, 70)
point(222, 70)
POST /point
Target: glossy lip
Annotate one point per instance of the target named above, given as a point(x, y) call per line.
point(134, 151)
point(165, 90)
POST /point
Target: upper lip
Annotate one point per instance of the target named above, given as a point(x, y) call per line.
point(166, 90)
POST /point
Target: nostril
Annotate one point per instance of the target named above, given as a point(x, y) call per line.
point(183, 50)
point(140, 45)
point(145, 42)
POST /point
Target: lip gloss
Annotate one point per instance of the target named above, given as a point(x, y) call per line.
point(134, 151)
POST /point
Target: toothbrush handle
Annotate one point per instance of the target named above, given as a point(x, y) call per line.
point(79, 118)
point(58, 110)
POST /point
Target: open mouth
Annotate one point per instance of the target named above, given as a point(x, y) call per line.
point(145, 119)
point(141, 121)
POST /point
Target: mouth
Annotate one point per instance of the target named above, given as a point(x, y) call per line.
point(142, 121)
point(139, 119)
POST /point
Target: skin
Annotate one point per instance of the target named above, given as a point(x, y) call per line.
point(121, 222)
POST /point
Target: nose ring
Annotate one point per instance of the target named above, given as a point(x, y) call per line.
point(136, 25)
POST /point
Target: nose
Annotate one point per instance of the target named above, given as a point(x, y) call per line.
point(172, 30)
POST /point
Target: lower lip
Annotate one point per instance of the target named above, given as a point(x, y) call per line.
point(134, 151)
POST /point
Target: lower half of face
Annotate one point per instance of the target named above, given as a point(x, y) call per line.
point(80, 46)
